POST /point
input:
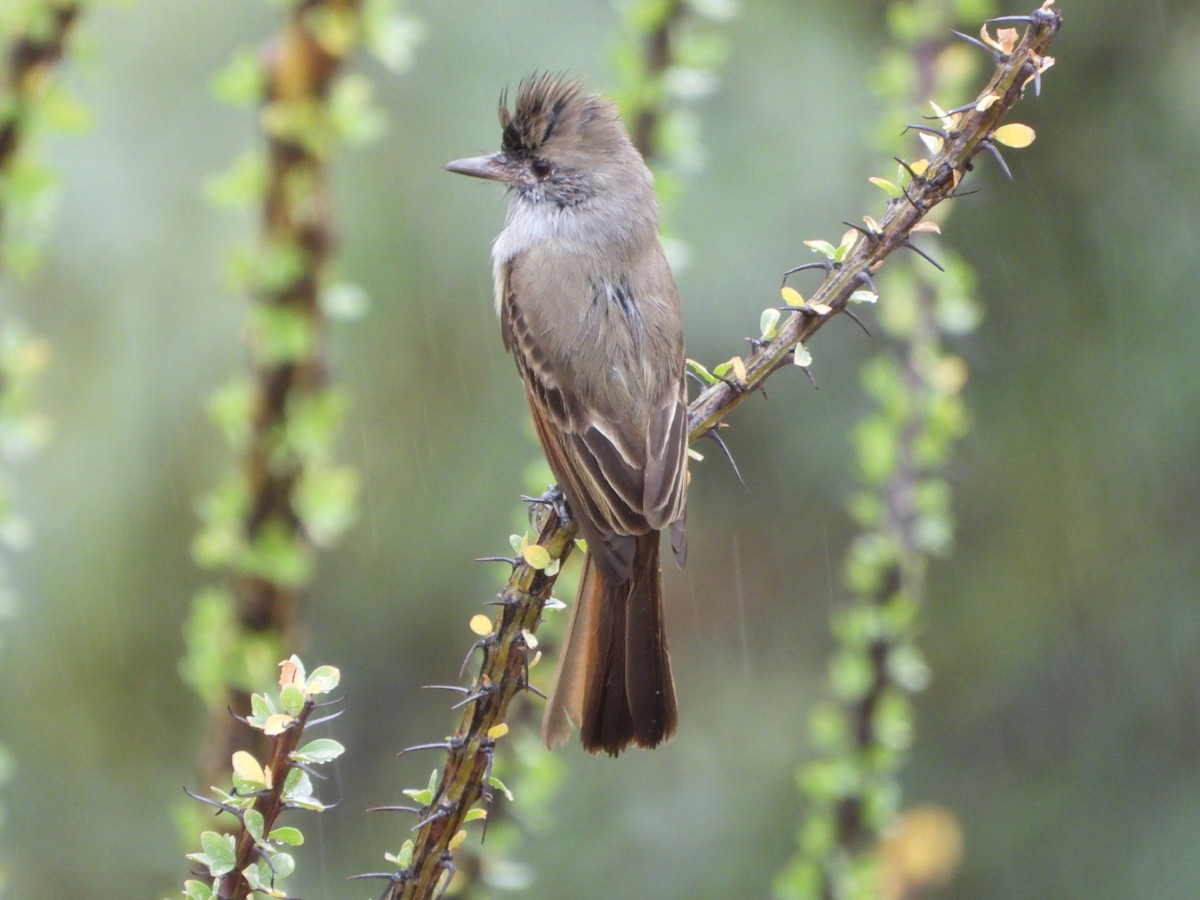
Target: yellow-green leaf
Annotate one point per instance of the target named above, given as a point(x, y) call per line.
point(1014, 135)
point(768, 324)
point(739, 369)
point(886, 186)
point(823, 247)
point(246, 767)
point(791, 296)
point(537, 556)
point(277, 724)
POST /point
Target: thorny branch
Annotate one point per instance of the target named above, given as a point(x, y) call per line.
point(504, 669)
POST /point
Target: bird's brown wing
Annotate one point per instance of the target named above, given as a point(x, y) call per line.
point(621, 478)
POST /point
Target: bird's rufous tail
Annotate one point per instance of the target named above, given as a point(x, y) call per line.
point(614, 674)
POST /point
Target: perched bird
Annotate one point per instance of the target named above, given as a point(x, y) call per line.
point(590, 312)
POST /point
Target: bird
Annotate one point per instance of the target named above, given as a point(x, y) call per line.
point(590, 312)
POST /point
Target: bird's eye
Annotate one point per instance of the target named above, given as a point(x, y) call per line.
point(541, 167)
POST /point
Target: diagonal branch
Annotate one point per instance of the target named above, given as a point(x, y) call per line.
point(427, 861)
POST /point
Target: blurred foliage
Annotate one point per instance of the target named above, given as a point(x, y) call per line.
point(1060, 722)
point(864, 732)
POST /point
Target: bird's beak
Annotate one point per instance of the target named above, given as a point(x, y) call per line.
point(489, 167)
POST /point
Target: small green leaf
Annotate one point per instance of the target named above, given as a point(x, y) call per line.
point(256, 879)
point(322, 680)
point(536, 556)
point(219, 853)
point(392, 38)
point(63, 112)
point(197, 890)
point(424, 796)
point(768, 323)
point(892, 190)
point(320, 751)
point(499, 785)
point(292, 699)
point(282, 864)
point(286, 834)
point(823, 247)
point(242, 81)
point(240, 185)
point(254, 823)
point(282, 334)
point(326, 499)
point(863, 296)
point(351, 112)
point(801, 356)
point(701, 372)
point(404, 858)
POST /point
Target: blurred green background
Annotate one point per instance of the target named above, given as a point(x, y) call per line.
point(1063, 722)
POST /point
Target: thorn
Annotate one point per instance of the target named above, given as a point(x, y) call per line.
point(731, 384)
point(869, 235)
point(450, 869)
point(911, 202)
point(991, 148)
point(696, 378)
point(408, 809)
point(394, 877)
point(990, 51)
point(955, 195)
point(242, 719)
point(327, 703)
point(441, 813)
point(927, 130)
point(1028, 20)
point(478, 645)
point(439, 745)
point(907, 168)
point(308, 770)
point(856, 320)
point(921, 253)
point(757, 344)
point(827, 265)
point(529, 687)
point(716, 438)
point(471, 698)
point(864, 277)
point(216, 804)
point(511, 560)
point(966, 107)
point(806, 310)
point(457, 688)
point(811, 379)
point(324, 719)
